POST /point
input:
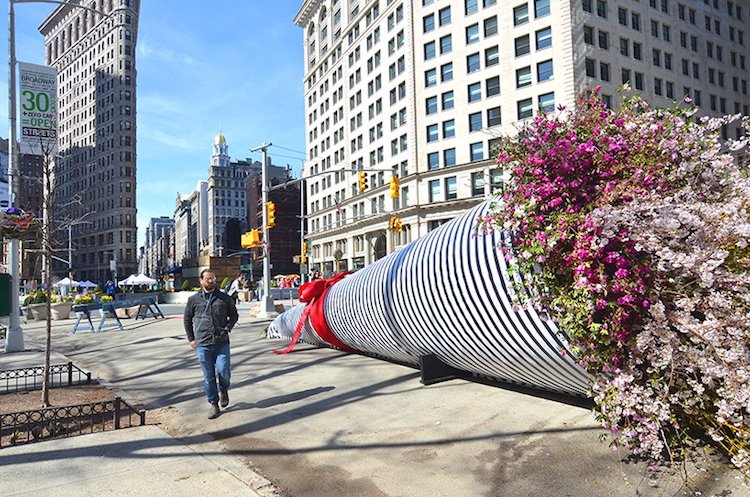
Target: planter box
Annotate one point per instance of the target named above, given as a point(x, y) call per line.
point(39, 311)
point(60, 310)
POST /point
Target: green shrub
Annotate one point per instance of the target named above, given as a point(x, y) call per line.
point(186, 284)
point(226, 282)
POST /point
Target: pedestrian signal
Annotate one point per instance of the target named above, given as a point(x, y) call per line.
point(362, 181)
point(395, 186)
point(395, 224)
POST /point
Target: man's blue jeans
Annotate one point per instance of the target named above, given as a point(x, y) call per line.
point(214, 360)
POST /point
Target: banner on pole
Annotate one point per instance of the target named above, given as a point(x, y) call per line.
point(38, 98)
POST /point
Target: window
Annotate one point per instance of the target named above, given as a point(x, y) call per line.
point(451, 188)
point(603, 40)
point(637, 51)
point(543, 38)
point(588, 35)
point(446, 72)
point(476, 151)
point(431, 106)
point(433, 161)
point(544, 71)
point(639, 81)
point(635, 21)
point(524, 108)
point(624, 75)
point(472, 34)
point(625, 47)
point(475, 92)
point(473, 63)
point(522, 45)
point(472, 6)
point(445, 16)
point(429, 50)
point(491, 56)
point(449, 157)
point(432, 133)
point(477, 184)
point(475, 121)
point(490, 26)
point(447, 100)
point(428, 23)
point(521, 15)
point(449, 128)
point(493, 117)
point(547, 102)
point(430, 78)
point(434, 195)
point(590, 68)
point(523, 77)
point(604, 71)
point(541, 8)
point(601, 8)
point(446, 44)
point(622, 16)
point(492, 86)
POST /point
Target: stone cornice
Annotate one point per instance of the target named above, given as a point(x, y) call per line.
point(309, 7)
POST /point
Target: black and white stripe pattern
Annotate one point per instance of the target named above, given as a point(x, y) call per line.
point(447, 294)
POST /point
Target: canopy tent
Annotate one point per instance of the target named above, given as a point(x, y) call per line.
point(137, 279)
point(66, 282)
point(87, 284)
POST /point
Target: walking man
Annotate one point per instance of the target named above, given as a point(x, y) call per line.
point(209, 317)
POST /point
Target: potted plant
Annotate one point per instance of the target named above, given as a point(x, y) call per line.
point(37, 304)
point(60, 307)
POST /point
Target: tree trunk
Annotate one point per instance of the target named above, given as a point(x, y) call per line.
point(47, 251)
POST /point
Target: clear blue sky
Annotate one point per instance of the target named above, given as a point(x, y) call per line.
point(202, 66)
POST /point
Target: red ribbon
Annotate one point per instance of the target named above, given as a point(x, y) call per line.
point(314, 293)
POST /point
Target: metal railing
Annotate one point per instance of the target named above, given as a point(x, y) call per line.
point(26, 379)
point(35, 425)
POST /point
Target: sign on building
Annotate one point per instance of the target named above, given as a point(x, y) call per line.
point(38, 106)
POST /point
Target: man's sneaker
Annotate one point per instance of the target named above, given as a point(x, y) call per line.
point(223, 397)
point(214, 411)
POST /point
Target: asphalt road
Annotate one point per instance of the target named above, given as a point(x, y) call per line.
point(321, 423)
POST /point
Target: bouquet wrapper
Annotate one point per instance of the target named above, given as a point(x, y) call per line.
point(447, 294)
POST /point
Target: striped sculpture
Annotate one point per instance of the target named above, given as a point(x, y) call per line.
point(448, 295)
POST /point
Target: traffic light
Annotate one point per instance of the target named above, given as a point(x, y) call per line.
point(305, 251)
point(395, 224)
point(362, 181)
point(395, 187)
point(251, 239)
point(271, 214)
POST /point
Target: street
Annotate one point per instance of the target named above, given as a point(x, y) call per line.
point(321, 423)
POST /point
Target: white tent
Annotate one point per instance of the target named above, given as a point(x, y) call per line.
point(127, 281)
point(142, 279)
point(87, 284)
point(66, 282)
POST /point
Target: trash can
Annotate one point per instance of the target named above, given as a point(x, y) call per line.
point(4, 294)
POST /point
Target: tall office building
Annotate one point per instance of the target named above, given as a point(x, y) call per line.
point(94, 53)
point(423, 88)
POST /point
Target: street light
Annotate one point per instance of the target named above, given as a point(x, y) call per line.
point(267, 307)
point(14, 335)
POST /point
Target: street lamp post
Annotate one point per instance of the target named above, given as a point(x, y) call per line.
point(267, 307)
point(14, 335)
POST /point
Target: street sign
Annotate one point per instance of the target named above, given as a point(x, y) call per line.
point(296, 259)
point(112, 264)
point(245, 267)
point(38, 93)
point(303, 268)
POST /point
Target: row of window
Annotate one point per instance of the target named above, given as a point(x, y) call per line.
point(445, 43)
point(475, 124)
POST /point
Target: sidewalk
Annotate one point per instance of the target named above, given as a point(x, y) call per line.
point(133, 461)
point(322, 423)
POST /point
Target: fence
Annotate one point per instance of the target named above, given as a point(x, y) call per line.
point(24, 427)
point(25, 379)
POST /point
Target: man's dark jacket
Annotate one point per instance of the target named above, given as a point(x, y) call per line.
point(209, 317)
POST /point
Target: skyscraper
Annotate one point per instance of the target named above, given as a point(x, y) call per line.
point(423, 89)
point(95, 172)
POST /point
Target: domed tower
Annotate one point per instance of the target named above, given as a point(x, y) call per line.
point(220, 155)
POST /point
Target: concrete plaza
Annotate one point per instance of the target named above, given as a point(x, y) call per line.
point(317, 422)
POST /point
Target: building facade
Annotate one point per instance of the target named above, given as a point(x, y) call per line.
point(423, 89)
point(94, 54)
point(159, 249)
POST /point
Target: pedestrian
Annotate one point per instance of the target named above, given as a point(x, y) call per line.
point(209, 317)
point(234, 288)
point(109, 288)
